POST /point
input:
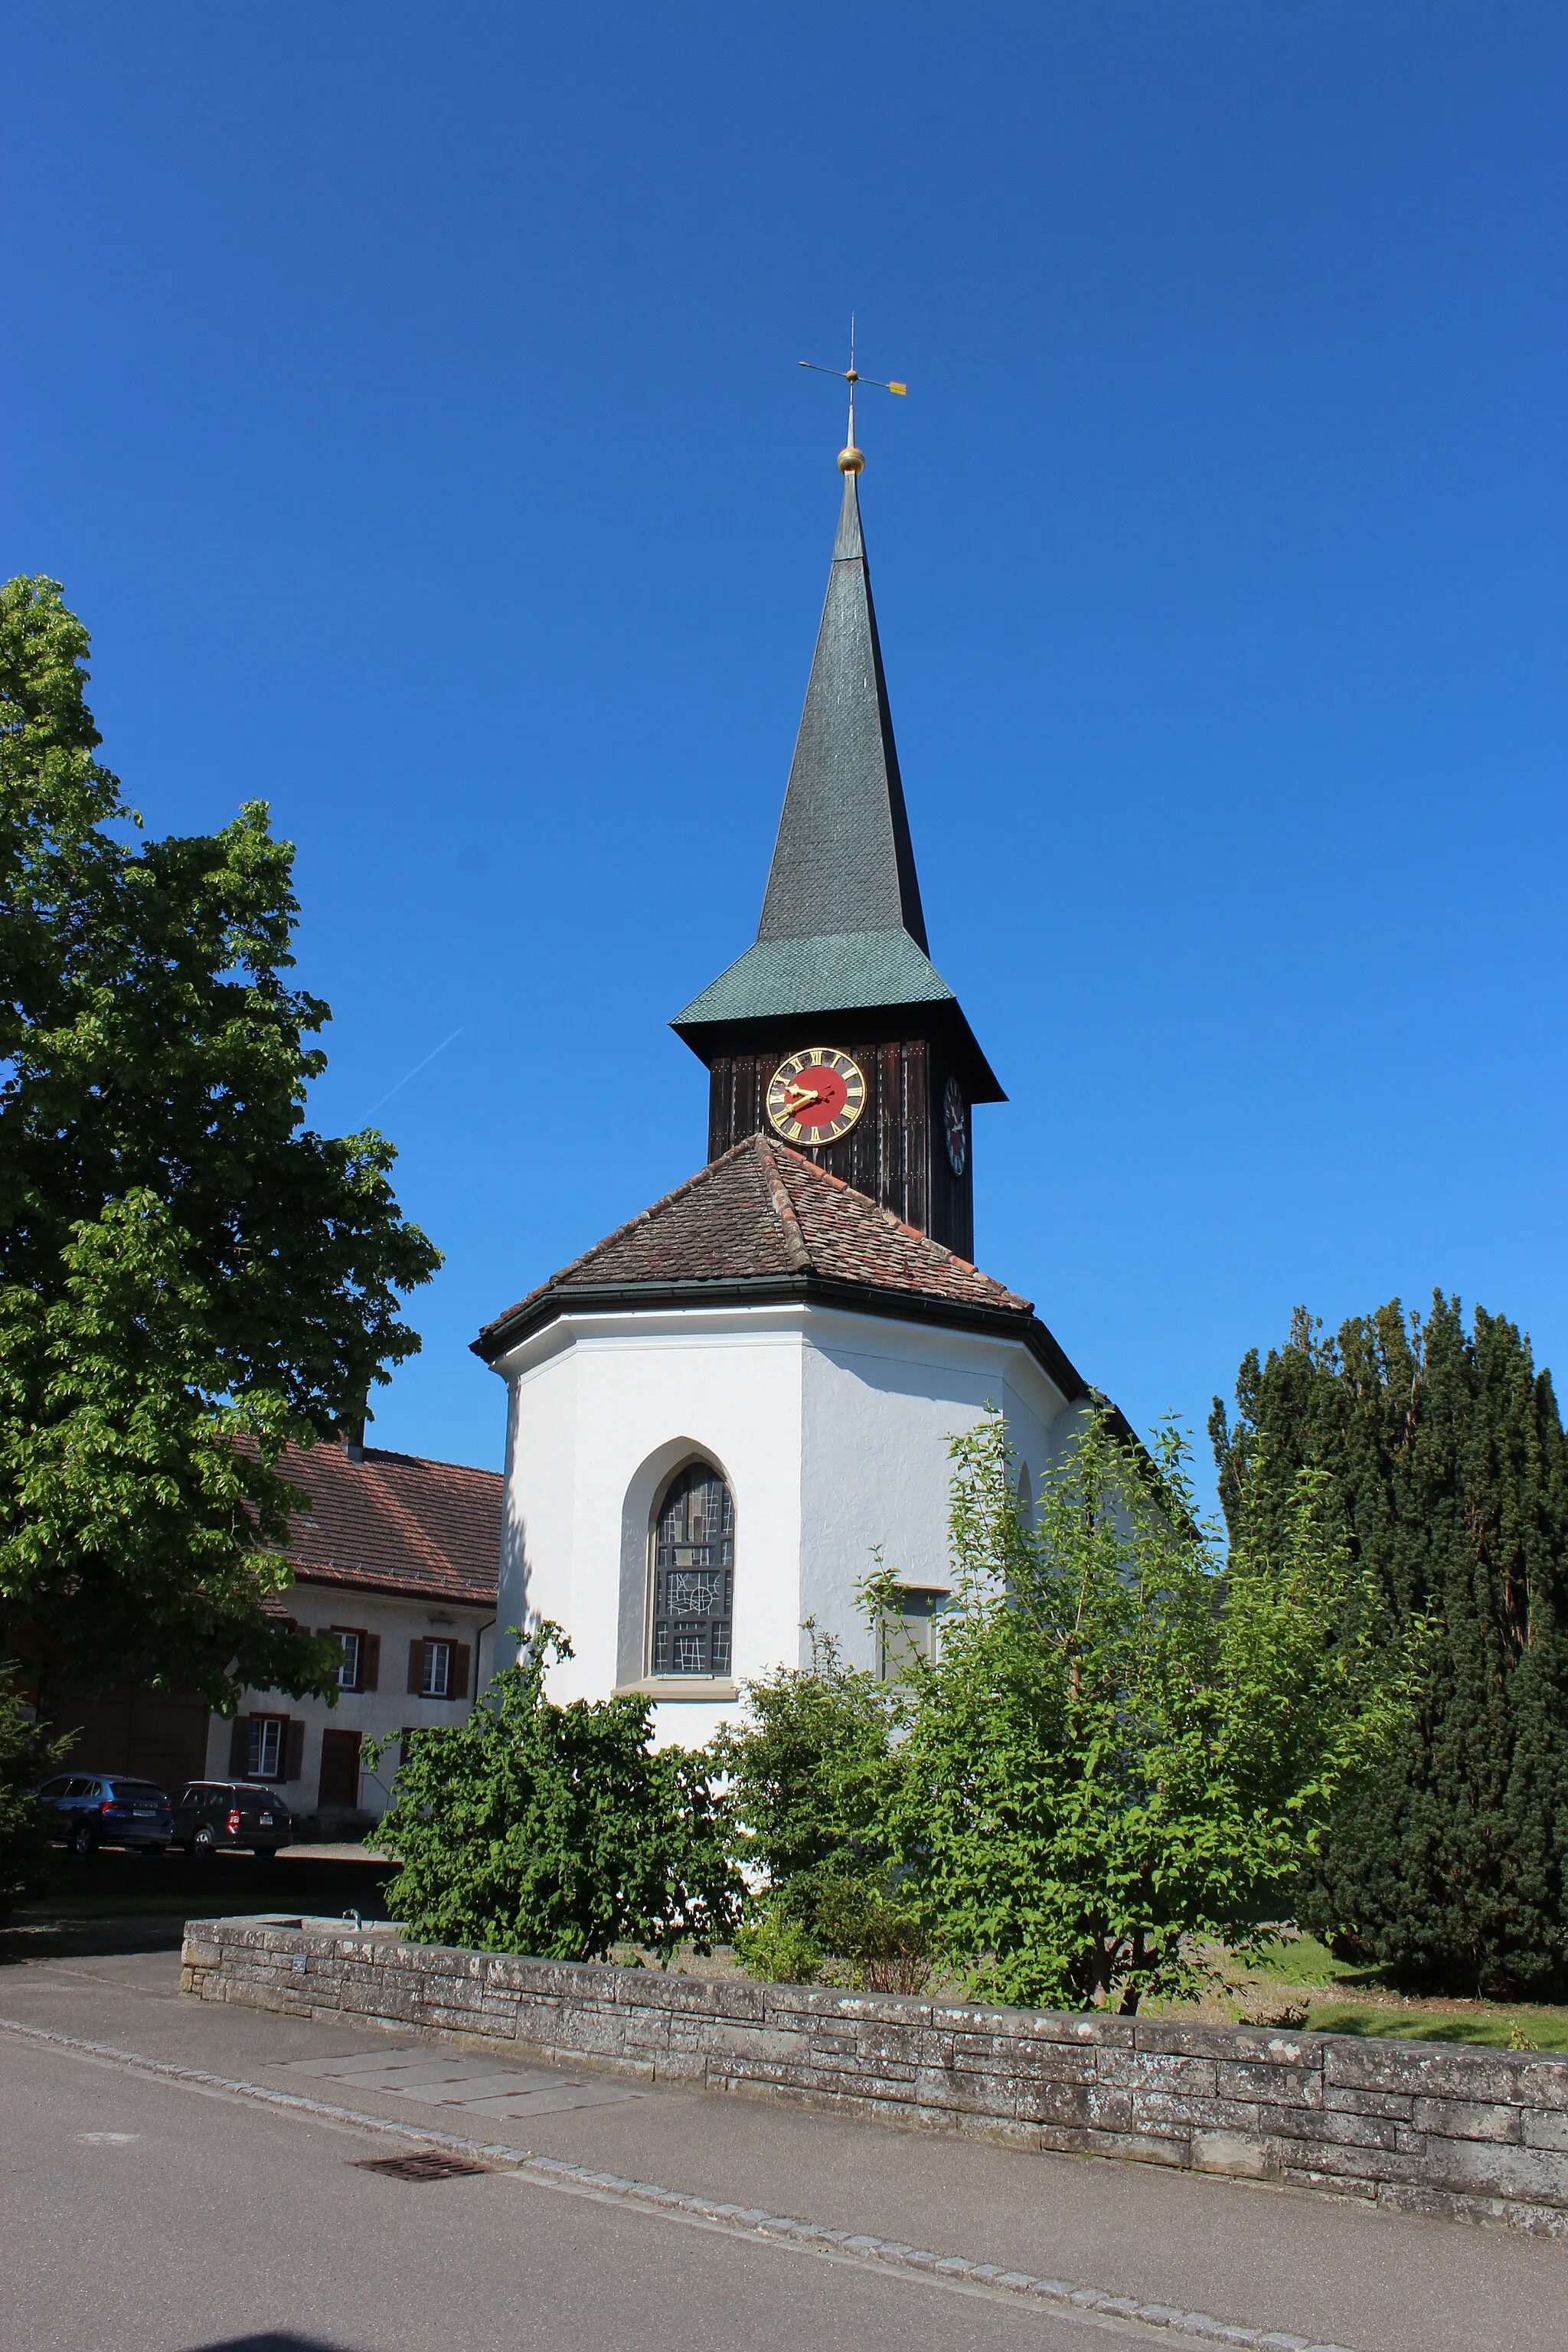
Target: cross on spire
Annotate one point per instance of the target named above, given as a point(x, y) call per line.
point(850, 459)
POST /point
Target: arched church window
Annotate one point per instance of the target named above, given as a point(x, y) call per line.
point(694, 1574)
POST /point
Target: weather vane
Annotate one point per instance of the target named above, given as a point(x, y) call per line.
point(850, 459)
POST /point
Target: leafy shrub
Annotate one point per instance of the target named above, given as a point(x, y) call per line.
point(836, 1927)
point(25, 1755)
point(1119, 1754)
point(777, 1948)
point(558, 1830)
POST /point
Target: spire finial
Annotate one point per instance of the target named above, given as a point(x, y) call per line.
point(850, 459)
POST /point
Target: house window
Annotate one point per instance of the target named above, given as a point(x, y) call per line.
point(908, 1629)
point(353, 1658)
point(437, 1679)
point(266, 1747)
point(693, 1575)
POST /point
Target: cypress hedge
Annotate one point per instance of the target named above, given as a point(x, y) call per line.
point(1446, 1452)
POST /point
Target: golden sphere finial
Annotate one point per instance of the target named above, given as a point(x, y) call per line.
point(850, 459)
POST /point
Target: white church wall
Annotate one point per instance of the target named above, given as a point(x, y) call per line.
point(882, 1401)
point(645, 1394)
point(831, 1428)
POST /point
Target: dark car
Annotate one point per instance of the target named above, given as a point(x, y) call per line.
point(84, 1809)
point(213, 1813)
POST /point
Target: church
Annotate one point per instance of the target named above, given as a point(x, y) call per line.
point(719, 1413)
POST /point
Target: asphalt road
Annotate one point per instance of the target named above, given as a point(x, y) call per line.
point(145, 2214)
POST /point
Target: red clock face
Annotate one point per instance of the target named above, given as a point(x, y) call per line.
point(815, 1097)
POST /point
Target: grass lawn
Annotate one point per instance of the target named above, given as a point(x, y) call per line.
point(1338, 1997)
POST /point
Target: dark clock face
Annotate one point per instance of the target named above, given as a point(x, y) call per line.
point(955, 1119)
point(816, 1096)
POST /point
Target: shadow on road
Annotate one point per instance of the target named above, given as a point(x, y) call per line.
point(272, 2344)
point(107, 1903)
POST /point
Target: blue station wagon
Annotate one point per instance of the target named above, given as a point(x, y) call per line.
point(87, 1810)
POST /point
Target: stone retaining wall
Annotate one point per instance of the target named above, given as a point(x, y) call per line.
point(1478, 2133)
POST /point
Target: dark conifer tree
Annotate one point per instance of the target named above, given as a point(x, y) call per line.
point(1447, 1452)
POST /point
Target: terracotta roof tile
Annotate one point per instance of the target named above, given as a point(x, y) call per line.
point(396, 1522)
point(762, 1209)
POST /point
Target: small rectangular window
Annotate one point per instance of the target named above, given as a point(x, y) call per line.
point(353, 1654)
point(266, 1747)
point(908, 1629)
point(437, 1682)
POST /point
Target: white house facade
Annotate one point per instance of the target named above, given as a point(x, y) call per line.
point(394, 1559)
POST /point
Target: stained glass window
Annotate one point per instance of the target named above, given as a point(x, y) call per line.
point(693, 1575)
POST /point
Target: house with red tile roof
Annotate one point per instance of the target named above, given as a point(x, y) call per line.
point(721, 1415)
point(395, 1558)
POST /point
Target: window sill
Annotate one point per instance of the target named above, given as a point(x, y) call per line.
point(693, 1686)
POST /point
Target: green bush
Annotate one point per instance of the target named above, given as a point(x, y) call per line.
point(558, 1830)
point(1118, 1755)
point(1444, 1463)
point(836, 1927)
point(25, 1755)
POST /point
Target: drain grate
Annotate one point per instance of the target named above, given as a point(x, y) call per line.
point(419, 2167)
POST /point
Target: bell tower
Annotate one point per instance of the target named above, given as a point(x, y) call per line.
point(834, 1031)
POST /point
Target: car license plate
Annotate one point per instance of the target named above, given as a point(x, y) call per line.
point(145, 1812)
point(266, 1821)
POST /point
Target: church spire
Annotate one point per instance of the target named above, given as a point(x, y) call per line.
point(838, 984)
point(843, 860)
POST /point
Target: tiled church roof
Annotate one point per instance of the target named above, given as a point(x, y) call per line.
point(397, 1523)
point(764, 1213)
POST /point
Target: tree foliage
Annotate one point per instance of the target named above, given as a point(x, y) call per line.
point(1443, 1459)
point(555, 1830)
point(189, 1274)
point(26, 1752)
point(807, 1782)
point(1117, 1752)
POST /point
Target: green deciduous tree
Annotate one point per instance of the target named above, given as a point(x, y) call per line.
point(1118, 1752)
point(1443, 1455)
point(189, 1274)
point(559, 1830)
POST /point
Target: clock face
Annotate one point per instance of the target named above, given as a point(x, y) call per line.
point(816, 1096)
point(955, 1123)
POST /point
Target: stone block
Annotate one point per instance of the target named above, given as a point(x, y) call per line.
point(1539, 2176)
point(1329, 2128)
point(1151, 2071)
point(1468, 2119)
point(1423, 2070)
point(1279, 2087)
point(1237, 2153)
point(1229, 2041)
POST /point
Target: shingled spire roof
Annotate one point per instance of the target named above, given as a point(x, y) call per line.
point(843, 860)
point(842, 926)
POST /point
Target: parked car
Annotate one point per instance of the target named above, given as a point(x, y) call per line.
point(214, 1814)
point(86, 1810)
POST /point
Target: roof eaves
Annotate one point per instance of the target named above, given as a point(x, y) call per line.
point(778, 1289)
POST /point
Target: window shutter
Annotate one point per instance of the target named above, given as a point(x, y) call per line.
point(460, 1655)
point(239, 1748)
point(370, 1662)
point(415, 1668)
point(293, 1747)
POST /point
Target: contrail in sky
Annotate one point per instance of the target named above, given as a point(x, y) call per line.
point(414, 1072)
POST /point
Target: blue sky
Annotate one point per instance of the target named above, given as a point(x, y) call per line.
point(408, 399)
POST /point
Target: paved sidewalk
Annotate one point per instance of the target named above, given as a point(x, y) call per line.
point(1319, 2269)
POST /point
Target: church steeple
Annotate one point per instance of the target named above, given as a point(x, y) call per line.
point(840, 959)
point(843, 860)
